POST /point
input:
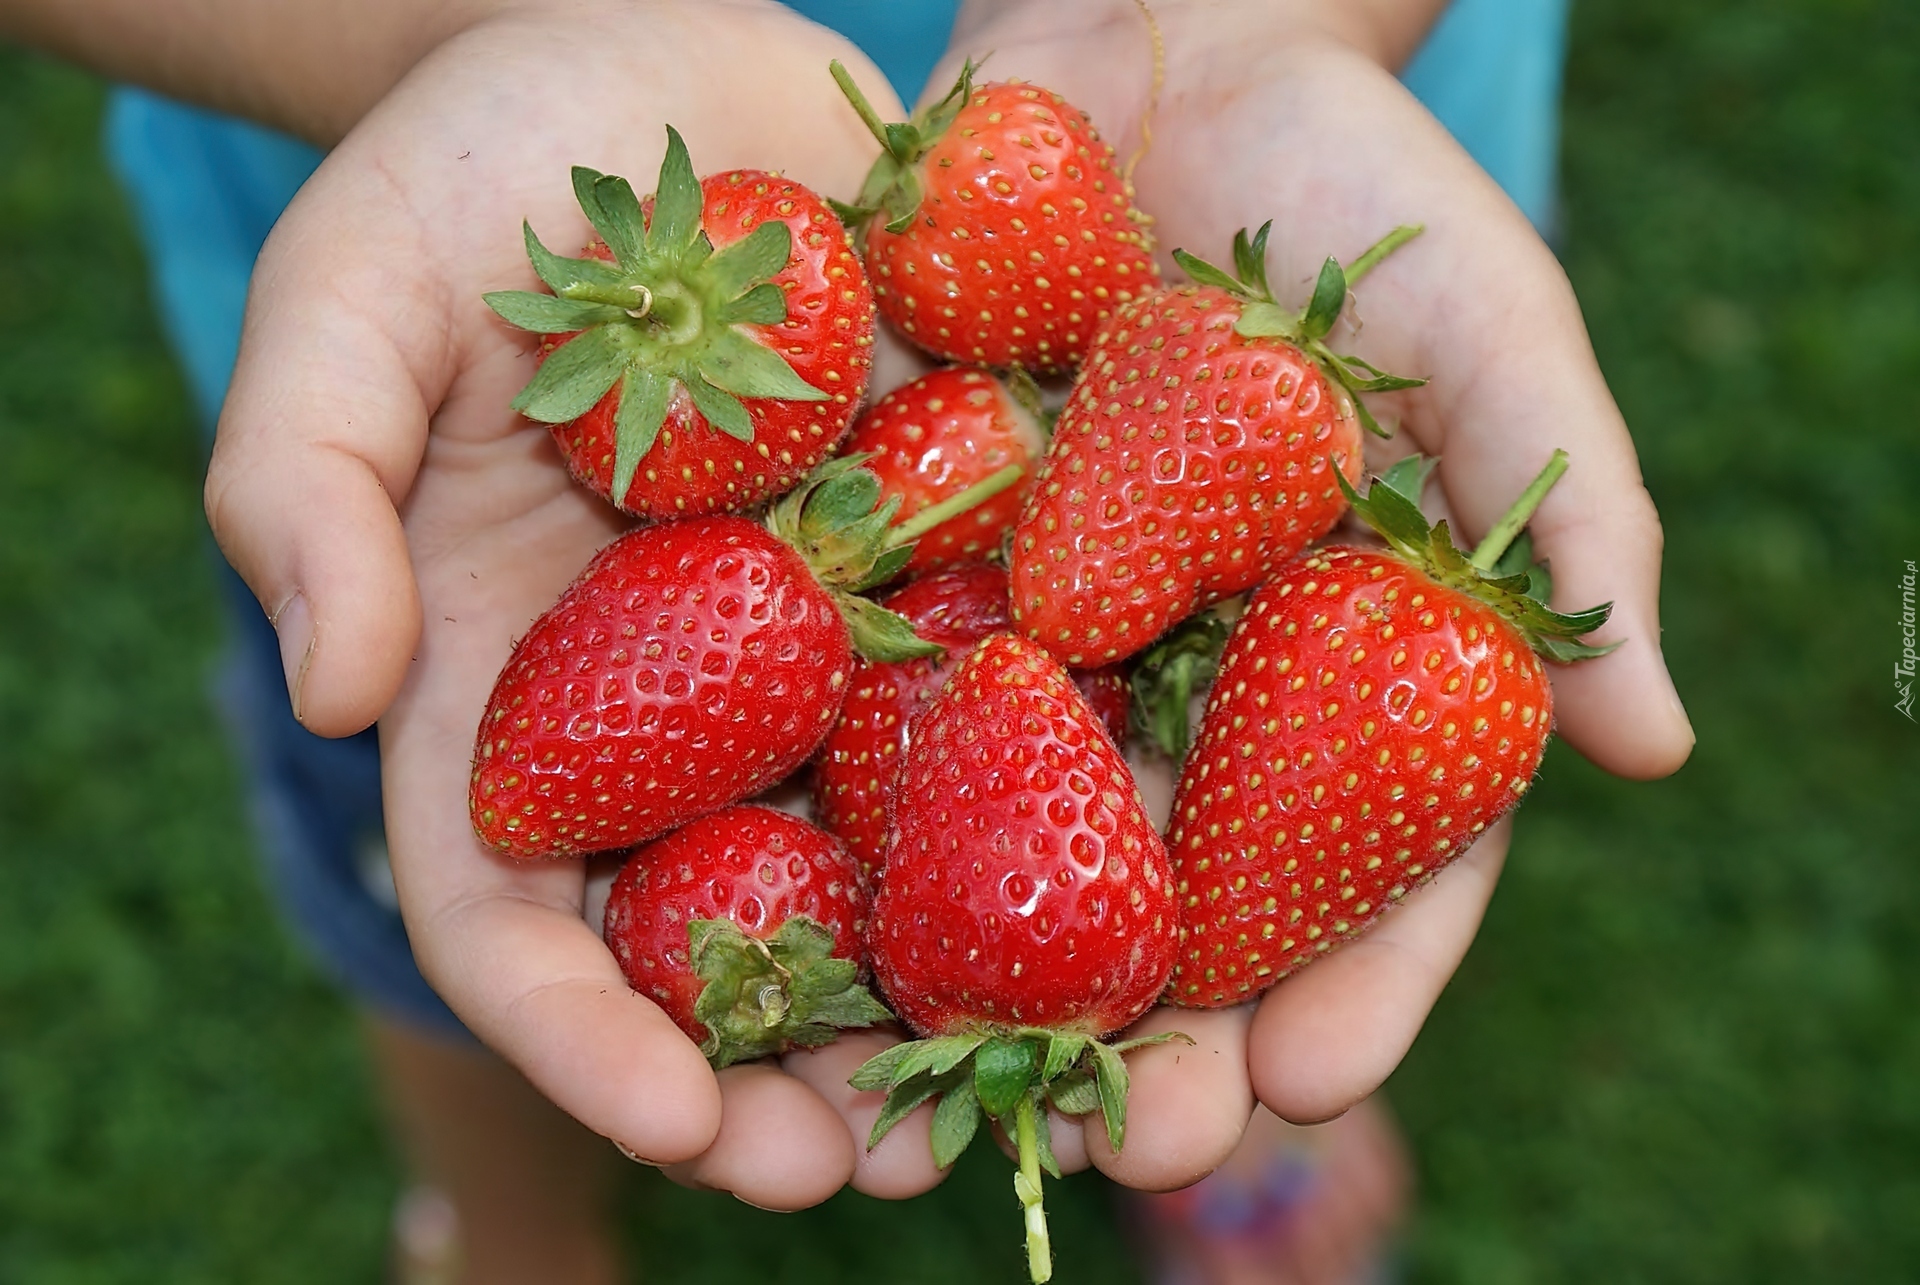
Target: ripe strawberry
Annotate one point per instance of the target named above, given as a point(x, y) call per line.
point(1025, 911)
point(690, 665)
point(1008, 232)
point(745, 926)
point(1197, 452)
point(860, 761)
point(739, 286)
point(1110, 696)
point(1374, 713)
point(940, 434)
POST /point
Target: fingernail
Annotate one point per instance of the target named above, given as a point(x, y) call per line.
point(294, 623)
point(635, 1156)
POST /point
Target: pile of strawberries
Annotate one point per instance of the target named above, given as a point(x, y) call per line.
point(944, 617)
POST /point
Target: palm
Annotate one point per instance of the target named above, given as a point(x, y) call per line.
point(368, 342)
point(1256, 122)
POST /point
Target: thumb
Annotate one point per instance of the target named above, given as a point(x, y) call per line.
point(323, 427)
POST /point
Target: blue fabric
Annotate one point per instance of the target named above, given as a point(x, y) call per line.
point(1491, 71)
point(206, 190)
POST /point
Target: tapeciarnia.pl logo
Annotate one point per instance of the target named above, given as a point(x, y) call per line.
point(1904, 667)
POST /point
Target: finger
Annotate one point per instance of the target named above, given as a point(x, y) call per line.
point(901, 1166)
point(1480, 306)
point(504, 942)
point(536, 984)
point(780, 1146)
point(1189, 1102)
point(322, 429)
point(1334, 1232)
point(1371, 1146)
point(1330, 1035)
point(1600, 535)
point(1514, 377)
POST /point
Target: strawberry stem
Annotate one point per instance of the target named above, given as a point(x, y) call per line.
point(875, 126)
point(1026, 1185)
point(1380, 249)
point(952, 507)
point(1508, 528)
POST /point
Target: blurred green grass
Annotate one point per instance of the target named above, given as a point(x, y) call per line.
point(1685, 1048)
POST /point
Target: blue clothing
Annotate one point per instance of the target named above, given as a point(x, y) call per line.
point(206, 189)
point(1491, 71)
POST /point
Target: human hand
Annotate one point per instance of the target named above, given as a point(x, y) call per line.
point(403, 526)
point(1284, 111)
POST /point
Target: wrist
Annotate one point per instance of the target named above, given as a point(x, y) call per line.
point(1386, 32)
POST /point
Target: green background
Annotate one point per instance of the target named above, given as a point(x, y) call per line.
point(1685, 1048)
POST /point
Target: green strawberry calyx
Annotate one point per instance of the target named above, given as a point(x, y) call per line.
point(1499, 572)
point(1263, 317)
point(892, 186)
point(1167, 675)
point(764, 997)
point(1012, 1076)
point(838, 521)
point(667, 314)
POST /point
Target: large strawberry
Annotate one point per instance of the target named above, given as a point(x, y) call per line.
point(1198, 451)
point(940, 434)
point(692, 664)
point(745, 926)
point(1025, 911)
point(1374, 713)
point(709, 350)
point(1006, 233)
point(854, 779)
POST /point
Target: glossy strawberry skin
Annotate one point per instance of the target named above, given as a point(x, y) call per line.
point(1366, 725)
point(854, 776)
point(1024, 885)
point(827, 338)
point(1025, 237)
point(933, 438)
point(1188, 463)
point(750, 865)
point(689, 666)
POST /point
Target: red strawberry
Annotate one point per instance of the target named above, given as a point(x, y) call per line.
point(1110, 697)
point(739, 287)
point(691, 665)
point(854, 779)
point(745, 926)
point(1374, 713)
point(1025, 910)
point(937, 436)
point(1008, 232)
point(1197, 453)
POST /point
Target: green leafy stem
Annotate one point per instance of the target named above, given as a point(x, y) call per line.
point(1263, 317)
point(664, 315)
point(1010, 1077)
point(765, 996)
point(1500, 572)
point(839, 523)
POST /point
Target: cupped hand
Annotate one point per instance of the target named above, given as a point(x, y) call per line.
point(403, 526)
point(1280, 110)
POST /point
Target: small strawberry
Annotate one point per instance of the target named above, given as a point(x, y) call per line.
point(1110, 696)
point(739, 287)
point(937, 436)
point(692, 664)
point(860, 761)
point(1008, 233)
point(1374, 713)
point(745, 926)
point(1197, 452)
point(1025, 911)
